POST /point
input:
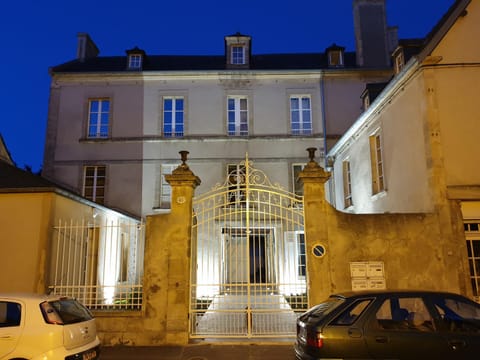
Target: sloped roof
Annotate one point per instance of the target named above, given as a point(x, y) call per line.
point(4, 153)
point(302, 61)
point(14, 179)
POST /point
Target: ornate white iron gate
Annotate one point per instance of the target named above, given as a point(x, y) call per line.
point(248, 258)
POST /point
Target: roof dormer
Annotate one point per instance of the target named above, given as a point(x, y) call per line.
point(135, 59)
point(405, 50)
point(372, 90)
point(335, 55)
point(238, 51)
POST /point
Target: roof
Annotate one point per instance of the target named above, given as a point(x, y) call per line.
point(4, 153)
point(429, 43)
point(293, 61)
point(13, 179)
point(16, 180)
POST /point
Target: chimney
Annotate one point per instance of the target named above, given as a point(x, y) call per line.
point(372, 43)
point(86, 48)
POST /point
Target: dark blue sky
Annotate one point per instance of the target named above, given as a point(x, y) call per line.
point(37, 34)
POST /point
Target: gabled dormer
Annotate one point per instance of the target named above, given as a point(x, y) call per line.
point(238, 51)
point(335, 55)
point(371, 92)
point(405, 50)
point(135, 59)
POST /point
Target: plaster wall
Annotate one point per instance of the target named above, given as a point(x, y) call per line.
point(401, 124)
point(456, 78)
point(24, 237)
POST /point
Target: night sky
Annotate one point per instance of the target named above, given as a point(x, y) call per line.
point(38, 34)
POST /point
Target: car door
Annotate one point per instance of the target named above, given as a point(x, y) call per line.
point(403, 328)
point(10, 326)
point(458, 321)
point(343, 336)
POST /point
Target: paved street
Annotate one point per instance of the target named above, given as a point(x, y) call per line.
point(264, 351)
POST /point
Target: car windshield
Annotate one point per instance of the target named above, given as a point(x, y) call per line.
point(65, 311)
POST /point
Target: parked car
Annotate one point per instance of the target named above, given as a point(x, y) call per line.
point(47, 328)
point(390, 325)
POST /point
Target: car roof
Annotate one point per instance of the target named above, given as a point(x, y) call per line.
point(29, 297)
point(399, 292)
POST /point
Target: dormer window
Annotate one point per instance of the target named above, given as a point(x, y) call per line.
point(399, 62)
point(135, 59)
point(237, 51)
point(238, 55)
point(335, 56)
point(370, 93)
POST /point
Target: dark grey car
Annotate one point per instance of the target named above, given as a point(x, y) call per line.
point(390, 325)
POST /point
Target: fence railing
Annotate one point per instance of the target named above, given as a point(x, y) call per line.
point(99, 262)
point(127, 297)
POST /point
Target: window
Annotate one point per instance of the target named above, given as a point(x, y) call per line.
point(366, 102)
point(378, 179)
point(296, 182)
point(302, 259)
point(10, 314)
point(399, 62)
point(237, 116)
point(335, 58)
point(98, 118)
point(300, 115)
point(94, 183)
point(457, 315)
point(404, 314)
point(165, 188)
point(347, 185)
point(351, 314)
point(173, 116)
point(236, 185)
point(238, 55)
point(135, 61)
point(472, 234)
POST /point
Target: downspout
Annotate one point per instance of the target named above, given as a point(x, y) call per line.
point(331, 183)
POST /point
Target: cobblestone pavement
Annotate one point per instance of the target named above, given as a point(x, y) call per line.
point(282, 351)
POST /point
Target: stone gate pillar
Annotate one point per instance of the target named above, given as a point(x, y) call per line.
point(167, 262)
point(316, 229)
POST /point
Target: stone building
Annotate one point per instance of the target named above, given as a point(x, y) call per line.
point(249, 231)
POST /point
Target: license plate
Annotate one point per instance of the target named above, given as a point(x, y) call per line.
point(89, 355)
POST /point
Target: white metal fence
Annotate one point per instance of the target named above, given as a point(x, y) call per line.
point(99, 261)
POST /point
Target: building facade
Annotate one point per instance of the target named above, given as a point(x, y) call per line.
point(116, 124)
point(413, 148)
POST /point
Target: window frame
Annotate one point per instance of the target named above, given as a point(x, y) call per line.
point(297, 186)
point(98, 115)
point(305, 126)
point(135, 61)
point(175, 122)
point(399, 62)
point(347, 184)
point(377, 165)
point(95, 186)
point(165, 191)
point(240, 116)
point(472, 239)
point(237, 54)
point(335, 58)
